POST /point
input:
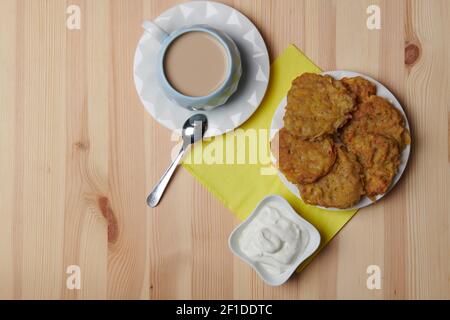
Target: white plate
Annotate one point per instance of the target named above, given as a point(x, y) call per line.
point(382, 91)
point(289, 212)
point(255, 63)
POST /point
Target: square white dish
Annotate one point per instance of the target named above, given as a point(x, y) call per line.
point(305, 252)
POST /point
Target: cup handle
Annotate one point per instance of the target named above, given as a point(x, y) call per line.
point(155, 30)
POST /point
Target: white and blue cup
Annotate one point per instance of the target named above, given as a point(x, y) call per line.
point(221, 94)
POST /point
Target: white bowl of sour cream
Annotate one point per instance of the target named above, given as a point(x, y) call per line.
point(274, 240)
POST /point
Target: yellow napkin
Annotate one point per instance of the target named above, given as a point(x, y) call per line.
point(242, 186)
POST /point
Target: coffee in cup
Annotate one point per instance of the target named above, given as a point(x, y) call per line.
point(196, 64)
point(199, 67)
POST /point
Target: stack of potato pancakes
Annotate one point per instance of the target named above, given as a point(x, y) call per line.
point(340, 140)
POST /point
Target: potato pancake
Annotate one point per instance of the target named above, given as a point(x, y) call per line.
point(360, 88)
point(379, 156)
point(376, 115)
point(303, 161)
point(317, 105)
point(341, 188)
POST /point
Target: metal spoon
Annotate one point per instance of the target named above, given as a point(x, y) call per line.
point(193, 130)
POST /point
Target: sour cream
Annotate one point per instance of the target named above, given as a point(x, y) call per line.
point(273, 240)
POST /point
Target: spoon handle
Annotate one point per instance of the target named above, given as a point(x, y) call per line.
point(156, 195)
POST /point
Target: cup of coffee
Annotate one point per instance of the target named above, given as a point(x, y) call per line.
point(199, 67)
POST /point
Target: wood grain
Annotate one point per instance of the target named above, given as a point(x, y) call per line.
point(78, 154)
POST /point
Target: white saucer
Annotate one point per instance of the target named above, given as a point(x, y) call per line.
point(382, 91)
point(255, 63)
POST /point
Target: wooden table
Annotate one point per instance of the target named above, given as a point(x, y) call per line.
point(78, 155)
